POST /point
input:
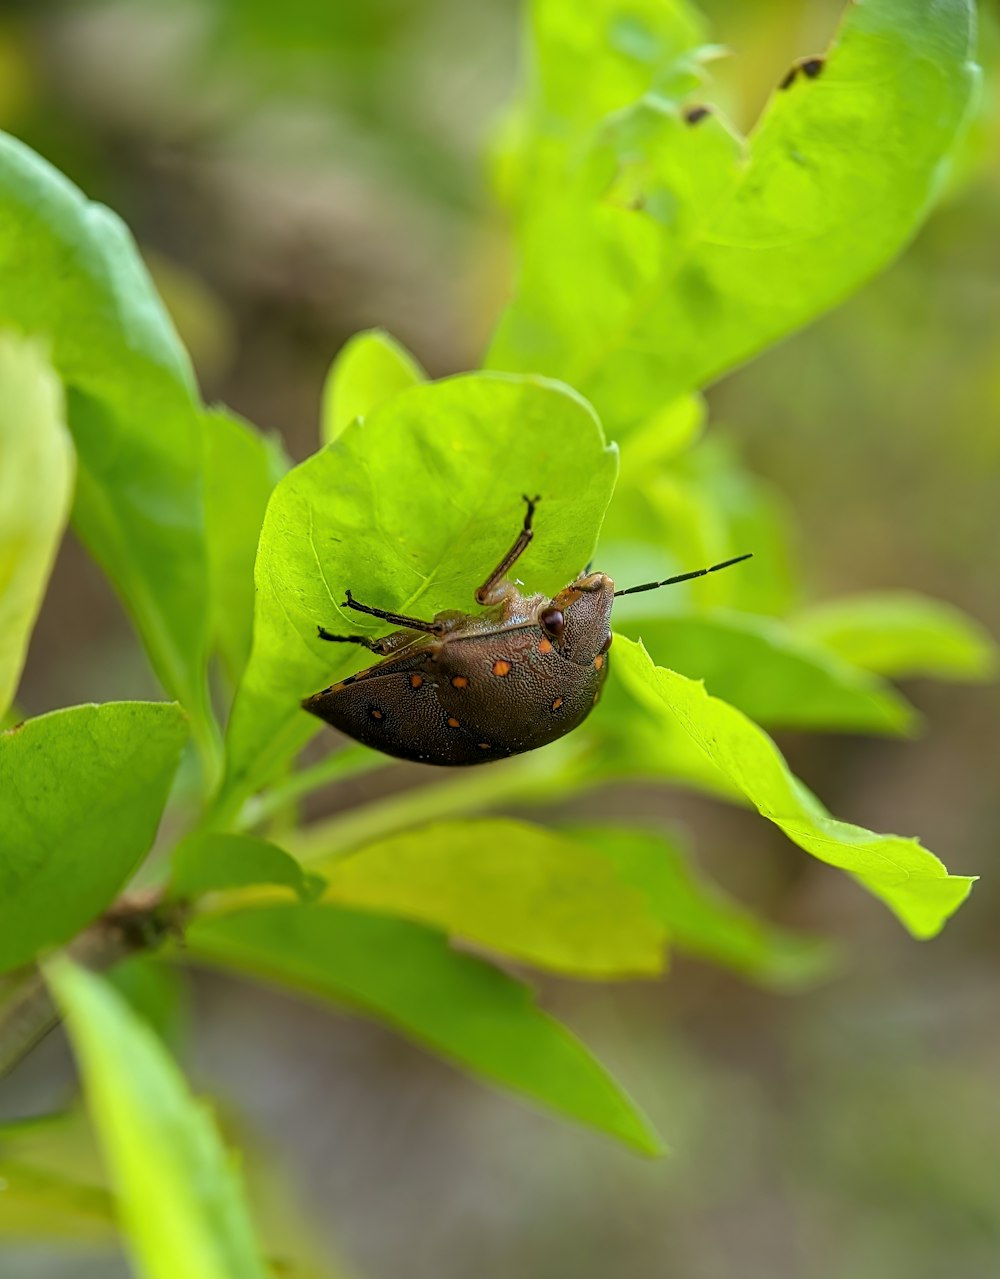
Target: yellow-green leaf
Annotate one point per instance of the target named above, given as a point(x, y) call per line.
point(668, 253)
point(370, 368)
point(772, 674)
point(180, 1201)
point(911, 881)
point(36, 487)
point(517, 889)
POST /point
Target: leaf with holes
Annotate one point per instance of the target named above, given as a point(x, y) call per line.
point(669, 252)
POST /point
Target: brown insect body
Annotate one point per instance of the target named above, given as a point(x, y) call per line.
point(488, 686)
point(471, 688)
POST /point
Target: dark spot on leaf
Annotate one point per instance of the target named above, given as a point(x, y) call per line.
point(811, 67)
point(695, 115)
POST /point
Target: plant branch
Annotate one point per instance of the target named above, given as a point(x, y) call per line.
point(135, 923)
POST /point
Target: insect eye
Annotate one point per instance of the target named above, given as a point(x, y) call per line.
point(553, 622)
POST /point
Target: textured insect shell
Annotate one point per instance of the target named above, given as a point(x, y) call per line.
point(468, 697)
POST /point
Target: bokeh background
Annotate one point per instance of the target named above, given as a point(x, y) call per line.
point(295, 172)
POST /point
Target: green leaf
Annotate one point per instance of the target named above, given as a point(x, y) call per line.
point(241, 469)
point(701, 919)
point(771, 674)
point(81, 793)
point(69, 271)
point(589, 64)
point(352, 516)
point(517, 889)
point(900, 634)
point(215, 862)
point(911, 881)
point(36, 487)
point(155, 990)
point(52, 1184)
point(408, 976)
point(179, 1199)
point(370, 369)
point(670, 254)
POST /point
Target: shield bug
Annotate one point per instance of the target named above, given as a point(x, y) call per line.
point(469, 688)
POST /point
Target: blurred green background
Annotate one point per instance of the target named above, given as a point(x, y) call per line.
point(300, 171)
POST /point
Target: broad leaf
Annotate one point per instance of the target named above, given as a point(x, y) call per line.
point(36, 487)
point(369, 369)
point(353, 517)
point(670, 253)
point(408, 976)
point(589, 64)
point(179, 1199)
point(81, 793)
point(771, 674)
point(216, 862)
point(517, 889)
point(899, 634)
point(241, 469)
point(701, 919)
point(910, 880)
point(69, 271)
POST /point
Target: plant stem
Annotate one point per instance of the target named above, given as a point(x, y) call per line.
point(529, 778)
point(137, 922)
point(352, 761)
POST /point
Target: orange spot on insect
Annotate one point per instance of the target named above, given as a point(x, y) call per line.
point(598, 661)
point(500, 667)
point(557, 703)
point(484, 746)
point(416, 681)
point(545, 646)
point(452, 722)
point(459, 681)
point(376, 714)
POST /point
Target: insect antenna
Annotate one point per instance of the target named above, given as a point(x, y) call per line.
point(685, 577)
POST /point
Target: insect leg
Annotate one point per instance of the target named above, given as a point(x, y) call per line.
point(365, 640)
point(399, 619)
point(487, 593)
